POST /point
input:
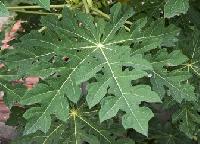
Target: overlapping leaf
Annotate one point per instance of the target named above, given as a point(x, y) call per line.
point(175, 80)
point(154, 36)
point(187, 115)
point(192, 44)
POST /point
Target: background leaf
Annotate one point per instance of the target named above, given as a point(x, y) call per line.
point(44, 3)
point(3, 10)
point(175, 7)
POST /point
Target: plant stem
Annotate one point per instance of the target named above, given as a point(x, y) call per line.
point(36, 12)
point(90, 3)
point(36, 7)
point(108, 17)
point(100, 12)
point(21, 9)
point(87, 10)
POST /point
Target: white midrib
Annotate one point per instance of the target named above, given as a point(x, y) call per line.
point(98, 131)
point(118, 85)
point(113, 29)
point(90, 41)
point(36, 56)
point(57, 128)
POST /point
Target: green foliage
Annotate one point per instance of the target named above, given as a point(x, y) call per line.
point(167, 134)
point(107, 78)
point(3, 10)
point(188, 118)
point(96, 51)
point(175, 7)
point(173, 80)
point(79, 128)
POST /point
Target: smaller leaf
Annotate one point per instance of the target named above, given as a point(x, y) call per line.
point(175, 79)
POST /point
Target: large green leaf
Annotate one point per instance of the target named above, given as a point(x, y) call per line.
point(110, 58)
point(106, 56)
point(79, 48)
